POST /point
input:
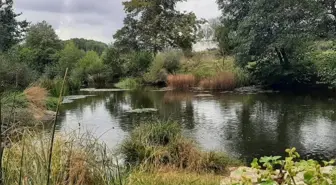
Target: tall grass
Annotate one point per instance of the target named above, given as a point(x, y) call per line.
point(78, 159)
point(54, 126)
point(222, 81)
point(54, 86)
point(156, 145)
point(181, 81)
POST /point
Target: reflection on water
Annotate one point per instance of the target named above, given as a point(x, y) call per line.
point(243, 125)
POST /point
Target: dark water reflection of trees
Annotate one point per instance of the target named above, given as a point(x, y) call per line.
point(244, 125)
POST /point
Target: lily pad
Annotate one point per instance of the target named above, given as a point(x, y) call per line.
point(204, 95)
point(144, 110)
point(70, 99)
point(103, 90)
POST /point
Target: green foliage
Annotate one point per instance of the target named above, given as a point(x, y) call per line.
point(14, 99)
point(160, 144)
point(326, 67)
point(156, 72)
point(271, 73)
point(274, 36)
point(44, 43)
point(114, 62)
point(91, 69)
point(172, 61)
point(290, 167)
point(69, 57)
point(155, 25)
point(137, 63)
point(14, 74)
point(11, 29)
point(88, 45)
point(128, 83)
point(51, 103)
point(54, 86)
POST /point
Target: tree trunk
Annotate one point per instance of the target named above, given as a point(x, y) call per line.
point(285, 58)
point(279, 55)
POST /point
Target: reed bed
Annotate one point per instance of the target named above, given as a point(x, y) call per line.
point(181, 81)
point(222, 81)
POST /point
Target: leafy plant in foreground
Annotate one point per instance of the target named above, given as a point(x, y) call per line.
point(291, 171)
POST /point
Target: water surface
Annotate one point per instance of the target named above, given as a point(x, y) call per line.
point(245, 126)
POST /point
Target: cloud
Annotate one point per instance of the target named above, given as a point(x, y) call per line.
point(91, 19)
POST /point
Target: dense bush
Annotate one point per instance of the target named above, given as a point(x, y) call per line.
point(272, 73)
point(172, 61)
point(325, 62)
point(14, 74)
point(156, 72)
point(91, 69)
point(113, 61)
point(137, 63)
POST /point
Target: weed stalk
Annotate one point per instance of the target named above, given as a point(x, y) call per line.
point(54, 127)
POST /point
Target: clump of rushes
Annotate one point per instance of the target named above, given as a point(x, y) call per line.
point(181, 81)
point(221, 81)
point(160, 144)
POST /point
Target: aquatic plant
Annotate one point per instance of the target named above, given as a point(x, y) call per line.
point(181, 81)
point(160, 144)
point(222, 81)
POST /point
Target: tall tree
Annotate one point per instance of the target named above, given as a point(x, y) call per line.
point(11, 30)
point(43, 40)
point(267, 27)
point(154, 25)
point(69, 57)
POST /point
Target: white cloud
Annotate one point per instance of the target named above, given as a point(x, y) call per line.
point(90, 19)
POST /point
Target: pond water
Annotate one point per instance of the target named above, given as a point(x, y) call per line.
point(245, 126)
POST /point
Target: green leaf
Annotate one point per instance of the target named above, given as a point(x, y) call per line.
point(308, 176)
point(269, 182)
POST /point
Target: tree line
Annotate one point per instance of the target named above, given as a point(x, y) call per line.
point(281, 44)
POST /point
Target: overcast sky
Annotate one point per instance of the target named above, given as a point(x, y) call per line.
point(93, 19)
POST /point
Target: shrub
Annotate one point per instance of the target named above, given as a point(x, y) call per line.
point(14, 75)
point(137, 63)
point(222, 81)
point(156, 71)
point(326, 66)
point(161, 145)
point(181, 81)
point(128, 83)
point(91, 69)
point(172, 61)
point(270, 72)
point(15, 114)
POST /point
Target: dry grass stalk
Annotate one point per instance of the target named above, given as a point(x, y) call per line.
point(222, 81)
point(36, 96)
point(181, 81)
